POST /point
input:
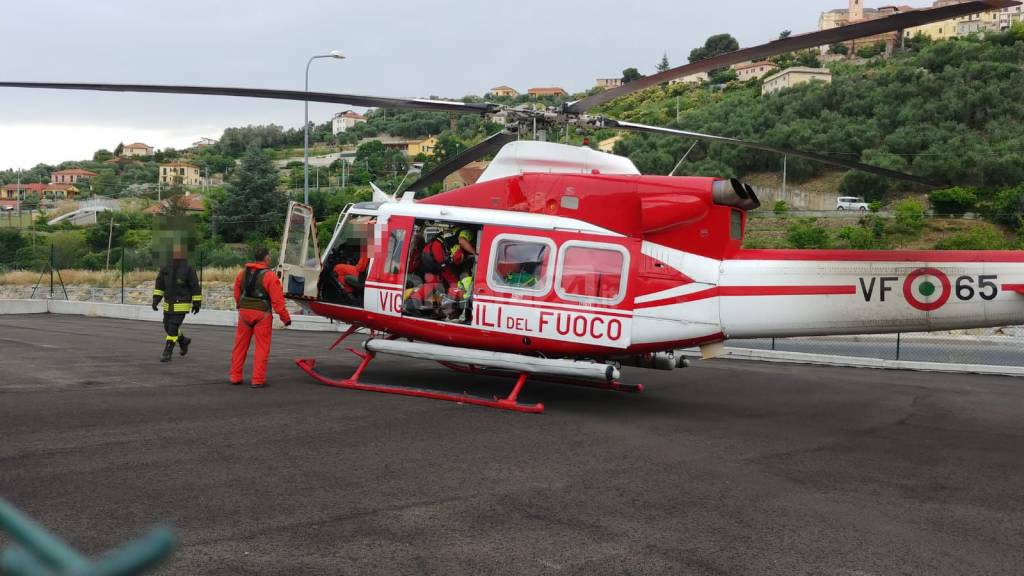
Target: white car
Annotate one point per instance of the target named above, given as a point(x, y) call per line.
point(6, 208)
point(851, 203)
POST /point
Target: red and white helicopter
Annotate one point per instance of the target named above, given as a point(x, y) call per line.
point(563, 263)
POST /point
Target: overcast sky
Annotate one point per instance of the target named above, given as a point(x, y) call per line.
point(394, 48)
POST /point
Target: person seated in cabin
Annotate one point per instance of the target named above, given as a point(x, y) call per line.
point(351, 276)
point(463, 248)
point(431, 264)
point(457, 304)
point(524, 277)
point(351, 272)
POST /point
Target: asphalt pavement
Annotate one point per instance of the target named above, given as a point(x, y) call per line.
point(726, 467)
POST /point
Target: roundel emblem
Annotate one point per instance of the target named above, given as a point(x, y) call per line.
point(927, 289)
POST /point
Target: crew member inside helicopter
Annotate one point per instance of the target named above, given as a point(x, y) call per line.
point(442, 265)
point(347, 264)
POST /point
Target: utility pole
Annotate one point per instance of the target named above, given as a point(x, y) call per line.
point(305, 125)
point(17, 196)
point(110, 239)
point(784, 158)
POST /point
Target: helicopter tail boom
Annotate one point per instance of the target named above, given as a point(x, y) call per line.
point(765, 293)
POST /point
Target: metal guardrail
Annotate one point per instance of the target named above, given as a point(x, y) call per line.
point(915, 347)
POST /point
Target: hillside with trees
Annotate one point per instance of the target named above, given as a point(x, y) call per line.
point(949, 111)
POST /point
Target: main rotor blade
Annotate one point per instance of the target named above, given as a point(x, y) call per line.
point(609, 123)
point(488, 145)
point(898, 21)
point(330, 97)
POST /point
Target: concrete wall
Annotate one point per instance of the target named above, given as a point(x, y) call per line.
point(146, 313)
point(796, 198)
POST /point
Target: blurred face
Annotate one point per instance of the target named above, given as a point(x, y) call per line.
point(178, 253)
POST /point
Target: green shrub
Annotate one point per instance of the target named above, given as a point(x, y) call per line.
point(978, 238)
point(69, 248)
point(805, 233)
point(223, 257)
point(780, 207)
point(875, 206)
point(909, 218)
point(869, 234)
point(1006, 209)
point(953, 201)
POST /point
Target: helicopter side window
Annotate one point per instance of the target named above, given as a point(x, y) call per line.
point(394, 254)
point(592, 272)
point(521, 264)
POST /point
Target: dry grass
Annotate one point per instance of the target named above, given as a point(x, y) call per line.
point(110, 278)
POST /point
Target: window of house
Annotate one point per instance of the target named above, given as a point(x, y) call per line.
point(592, 272)
point(521, 264)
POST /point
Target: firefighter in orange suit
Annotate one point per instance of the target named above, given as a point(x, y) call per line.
point(257, 295)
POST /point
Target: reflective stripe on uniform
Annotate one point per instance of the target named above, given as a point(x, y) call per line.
point(172, 338)
point(178, 307)
point(158, 292)
point(197, 297)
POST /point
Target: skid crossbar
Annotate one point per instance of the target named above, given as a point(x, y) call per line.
point(510, 402)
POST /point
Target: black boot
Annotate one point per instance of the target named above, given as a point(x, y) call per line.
point(168, 351)
point(183, 343)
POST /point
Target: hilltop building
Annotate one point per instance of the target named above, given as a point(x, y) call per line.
point(180, 173)
point(608, 83)
point(60, 192)
point(11, 194)
point(550, 91)
point(425, 147)
point(793, 76)
point(204, 142)
point(70, 176)
point(989, 21)
point(692, 79)
point(752, 70)
point(187, 202)
point(856, 12)
point(466, 175)
point(342, 121)
point(137, 149)
point(503, 91)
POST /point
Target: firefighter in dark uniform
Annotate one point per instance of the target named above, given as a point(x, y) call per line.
point(178, 286)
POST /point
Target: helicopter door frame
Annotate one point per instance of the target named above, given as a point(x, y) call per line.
point(338, 226)
point(298, 277)
point(385, 285)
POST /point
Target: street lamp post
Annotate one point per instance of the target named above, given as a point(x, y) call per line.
point(305, 125)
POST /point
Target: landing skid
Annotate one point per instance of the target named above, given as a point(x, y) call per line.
point(610, 385)
point(509, 402)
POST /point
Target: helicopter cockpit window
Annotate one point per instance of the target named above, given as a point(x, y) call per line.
point(521, 264)
point(348, 262)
